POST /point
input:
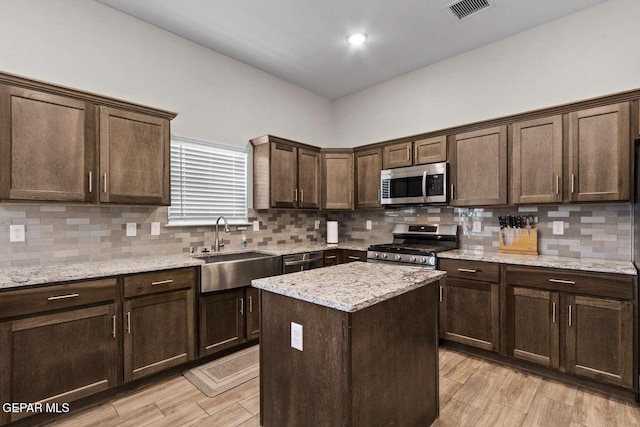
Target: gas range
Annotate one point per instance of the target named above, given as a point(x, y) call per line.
point(416, 244)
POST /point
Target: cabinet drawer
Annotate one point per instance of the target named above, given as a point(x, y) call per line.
point(48, 298)
point(350, 255)
point(472, 270)
point(331, 257)
point(158, 281)
point(612, 286)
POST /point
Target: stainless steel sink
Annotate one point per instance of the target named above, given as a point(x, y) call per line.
point(230, 271)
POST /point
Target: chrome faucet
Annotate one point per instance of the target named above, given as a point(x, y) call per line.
point(217, 244)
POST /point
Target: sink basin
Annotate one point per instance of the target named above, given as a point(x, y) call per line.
point(229, 271)
point(233, 257)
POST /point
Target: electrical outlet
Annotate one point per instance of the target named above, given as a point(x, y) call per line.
point(16, 233)
point(477, 226)
point(155, 228)
point(296, 336)
point(317, 224)
point(558, 228)
point(131, 229)
point(368, 224)
point(256, 225)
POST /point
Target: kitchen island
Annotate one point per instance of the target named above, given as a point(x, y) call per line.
point(349, 345)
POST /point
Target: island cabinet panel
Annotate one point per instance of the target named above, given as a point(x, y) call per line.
point(47, 147)
point(368, 166)
point(430, 150)
point(479, 167)
point(60, 357)
point(599, 154)
point(308, 179)
point(134, 158)
point(337, 180)
point(355, 369)
point(536, 162)
point(397, 155)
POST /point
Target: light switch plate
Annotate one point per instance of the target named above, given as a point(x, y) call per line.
point(256, 225)
point(131, 229)
point(155, 228)
point(558, 228)
point(368, 224)
point(296, 336)
point(16, 233)
point(317, 224)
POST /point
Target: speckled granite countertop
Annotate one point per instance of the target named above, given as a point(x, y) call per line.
point(13, 277)
point(349, 287)
point(566, 263)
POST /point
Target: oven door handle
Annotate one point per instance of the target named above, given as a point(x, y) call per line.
point(424, 185)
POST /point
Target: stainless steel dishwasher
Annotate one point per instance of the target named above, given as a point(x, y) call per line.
point(302, 261)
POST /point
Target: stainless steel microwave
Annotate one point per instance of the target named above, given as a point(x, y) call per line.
point(416, 184)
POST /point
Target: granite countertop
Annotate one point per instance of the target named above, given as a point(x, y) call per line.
point(566, 263)
point(349, 287)
point(13, 277)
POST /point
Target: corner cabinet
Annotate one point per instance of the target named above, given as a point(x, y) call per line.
point(286, 174)
point(368, 165)
point(52, 137)
point(134, 158)
point(479, 167)
point(337, 180)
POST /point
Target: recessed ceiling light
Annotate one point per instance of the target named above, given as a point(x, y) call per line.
point(357, 39)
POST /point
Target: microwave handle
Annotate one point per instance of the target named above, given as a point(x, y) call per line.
point(424, 185)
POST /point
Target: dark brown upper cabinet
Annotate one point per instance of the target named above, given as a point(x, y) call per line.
point(51, 138)
point(286, 174)
point(337, 180)
point(479, 167)
point(430, 150)
point(599, 154)
point(536, 162)
point(47, 146)
point(368, 164)
point(397, 155)
point(134, 158)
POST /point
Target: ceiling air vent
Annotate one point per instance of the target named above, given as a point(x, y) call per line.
point(465, 8)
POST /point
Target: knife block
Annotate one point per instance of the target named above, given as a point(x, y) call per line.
point(526, 243)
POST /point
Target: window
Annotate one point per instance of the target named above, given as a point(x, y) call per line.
point(208, 180)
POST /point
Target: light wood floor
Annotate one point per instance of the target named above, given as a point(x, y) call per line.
point(473, 392)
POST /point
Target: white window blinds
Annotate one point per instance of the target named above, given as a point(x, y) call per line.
point(208, 180)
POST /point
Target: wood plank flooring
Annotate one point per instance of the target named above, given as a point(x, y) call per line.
point(473, 392)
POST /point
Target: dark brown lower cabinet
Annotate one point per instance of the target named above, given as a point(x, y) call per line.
point(222, 320)
point(469, 313)
point(252, 313)
point(343, 256)
point(159, 332)
point(60, 357)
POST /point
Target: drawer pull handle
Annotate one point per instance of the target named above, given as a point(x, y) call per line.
point(564, 282)
point(161, 282)
point(330, 257)
point(113, 326)
point(554, 312)
point(63, 297)
point(354, 257)
point(467, 270)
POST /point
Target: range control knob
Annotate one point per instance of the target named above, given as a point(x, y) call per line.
point(423, 260)
point(412, 259)
point(398, 257)
point(375, 255)
point(384, 256)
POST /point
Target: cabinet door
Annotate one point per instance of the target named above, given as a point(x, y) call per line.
point(430, 150)
point(221, 321)
point(599, 339)
point(308, 179)
point(368, 167)
point(337, 181)
point(47, 147)
point(397, 155)
point(134, 158)
point(252, 308)
point(470, 313)
point(536, 165)
point(60, 357)
point(284, 175)
point(533, 326)
point(159, 333)
point(599, 154)
point(479, 167)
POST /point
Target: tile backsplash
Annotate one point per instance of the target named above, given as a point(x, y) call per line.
point(59, 234)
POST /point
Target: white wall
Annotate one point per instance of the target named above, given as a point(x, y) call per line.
point(591, 53)
point(89, 46)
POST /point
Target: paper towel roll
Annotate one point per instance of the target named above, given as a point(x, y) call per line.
point(332, 231)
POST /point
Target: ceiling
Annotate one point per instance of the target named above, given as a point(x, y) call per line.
point(304, 42)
